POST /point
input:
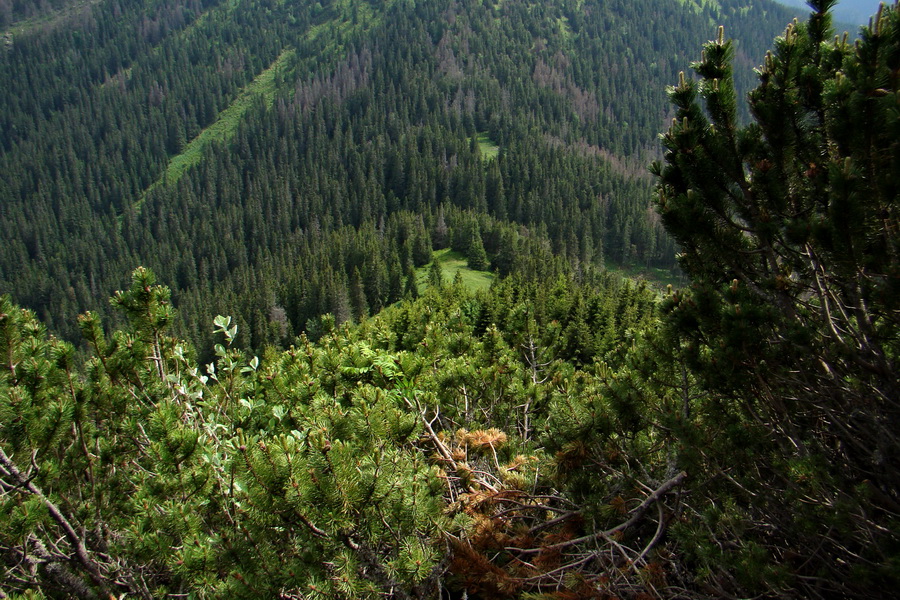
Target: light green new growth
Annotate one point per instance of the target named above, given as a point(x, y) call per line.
point(565, 28)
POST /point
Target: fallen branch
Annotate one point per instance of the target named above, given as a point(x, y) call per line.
point(636, 515)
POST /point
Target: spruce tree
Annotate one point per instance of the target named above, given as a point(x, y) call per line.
point(435, 275)
point(410, 286)
point(475, 253)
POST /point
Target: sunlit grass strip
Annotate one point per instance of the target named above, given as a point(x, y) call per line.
point(352, 19)
point(224, 128)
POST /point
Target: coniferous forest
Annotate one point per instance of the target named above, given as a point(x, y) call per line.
point(340, 299)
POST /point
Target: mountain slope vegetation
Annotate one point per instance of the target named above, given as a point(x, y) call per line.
point(431, 388)
point(372, 112)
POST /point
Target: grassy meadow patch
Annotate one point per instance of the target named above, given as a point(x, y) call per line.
point(488, 147)
point(453, 262)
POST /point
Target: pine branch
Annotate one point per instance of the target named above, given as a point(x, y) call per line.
point(442, 449)
point(374, 570)
point(77, 544)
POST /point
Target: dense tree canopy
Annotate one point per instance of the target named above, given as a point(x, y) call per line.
point(224, 144)
point(348, 468)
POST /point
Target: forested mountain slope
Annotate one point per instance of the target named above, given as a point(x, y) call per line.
point(231, 145)
point(560, 434)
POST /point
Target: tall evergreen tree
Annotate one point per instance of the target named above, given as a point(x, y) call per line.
point(475, 253)
point(789, 232)
point(435, 275)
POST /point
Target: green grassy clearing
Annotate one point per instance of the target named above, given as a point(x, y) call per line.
point(453, 262)
point(488, 148)
point(656, 278)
